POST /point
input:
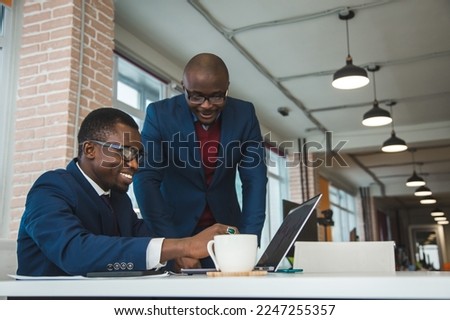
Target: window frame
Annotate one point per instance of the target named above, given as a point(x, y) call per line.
point(277, 190)
point(166, 90)
point(9, 69)
point(344, 213)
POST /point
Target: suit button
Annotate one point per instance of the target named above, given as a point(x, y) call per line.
point(130, 265)
point(123, 266)
point(109, 267)
point(116, 266)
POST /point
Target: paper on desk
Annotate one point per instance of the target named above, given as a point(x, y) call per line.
point(20, 277)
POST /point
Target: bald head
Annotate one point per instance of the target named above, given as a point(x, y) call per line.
point(206, 68)
point(206, 63)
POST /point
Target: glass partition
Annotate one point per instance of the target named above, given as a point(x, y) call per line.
point(427, 247)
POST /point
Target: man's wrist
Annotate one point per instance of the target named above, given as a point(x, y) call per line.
point(174, 248)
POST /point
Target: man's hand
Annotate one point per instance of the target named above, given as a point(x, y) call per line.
point(192, 247)
point(197, 244)
point(187, 263)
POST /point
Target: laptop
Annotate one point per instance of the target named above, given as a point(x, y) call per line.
point(282, 241)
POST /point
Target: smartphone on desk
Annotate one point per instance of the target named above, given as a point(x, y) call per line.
point(124, 273)
point(197, 271)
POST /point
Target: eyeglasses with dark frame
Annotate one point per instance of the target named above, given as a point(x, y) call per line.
point(199, 99)
point(128, 153)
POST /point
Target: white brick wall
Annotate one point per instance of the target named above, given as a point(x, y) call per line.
point(48, 85)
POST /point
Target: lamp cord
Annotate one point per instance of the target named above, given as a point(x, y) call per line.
point(374, 87)
point(392, 115)
point(348, 41)
point(413, 160)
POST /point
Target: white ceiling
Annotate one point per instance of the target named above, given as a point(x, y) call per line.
point(283, 53)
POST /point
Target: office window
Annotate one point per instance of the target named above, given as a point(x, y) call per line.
point(277, 189)
point(343, 206)
point(2, 38)
point(2, 15)
point(8, 20)
point(134, 89)
point(4, 165)
point(2, 41)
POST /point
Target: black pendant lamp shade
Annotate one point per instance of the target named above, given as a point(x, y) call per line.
point(349, 76)
point(376, 116)
point(394, 144)
point(415, 180)
point(428, 200)
point(437, 212)
point(422, 191)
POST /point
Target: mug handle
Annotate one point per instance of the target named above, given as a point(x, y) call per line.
point(209, 247)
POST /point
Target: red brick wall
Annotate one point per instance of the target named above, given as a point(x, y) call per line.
point(48, 85)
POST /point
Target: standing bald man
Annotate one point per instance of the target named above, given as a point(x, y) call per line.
point(195, 143)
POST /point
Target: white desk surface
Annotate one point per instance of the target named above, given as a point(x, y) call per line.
point(399, 285)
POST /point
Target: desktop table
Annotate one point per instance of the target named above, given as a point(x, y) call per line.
point(398, 285)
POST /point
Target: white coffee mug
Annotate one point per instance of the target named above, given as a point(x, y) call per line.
point(233, 252)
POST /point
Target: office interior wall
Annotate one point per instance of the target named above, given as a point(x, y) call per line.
point(65, 71)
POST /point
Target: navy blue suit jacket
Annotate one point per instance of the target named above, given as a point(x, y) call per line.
point(67, 229)
point(170, 185)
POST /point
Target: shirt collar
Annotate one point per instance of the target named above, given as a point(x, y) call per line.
point(96, 187)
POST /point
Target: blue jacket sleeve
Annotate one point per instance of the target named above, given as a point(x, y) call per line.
point(147, 181)
point(253, 174)
point(61, 232)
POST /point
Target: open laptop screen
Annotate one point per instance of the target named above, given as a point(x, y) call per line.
point(286, 234)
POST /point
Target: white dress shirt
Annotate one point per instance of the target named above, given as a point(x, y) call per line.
point(154, 247)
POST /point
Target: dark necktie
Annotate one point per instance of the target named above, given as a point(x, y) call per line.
point(107, 200)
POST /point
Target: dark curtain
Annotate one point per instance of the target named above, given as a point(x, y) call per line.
point(366, 210)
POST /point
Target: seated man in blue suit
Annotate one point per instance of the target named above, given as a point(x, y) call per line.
point(81, 220)
point(196, 143)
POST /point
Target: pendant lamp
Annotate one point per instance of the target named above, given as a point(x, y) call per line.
point(428, 200)
point(414, 180)
point(437, 212)
point(394, 143)
point(422, 191)
point(349, 76)
point(376, 116)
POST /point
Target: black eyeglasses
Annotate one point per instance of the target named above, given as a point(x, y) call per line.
point(199, 99)
point(128, 153)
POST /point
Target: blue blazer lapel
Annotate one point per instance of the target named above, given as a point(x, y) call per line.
point(104, 212)
point(185, 121)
